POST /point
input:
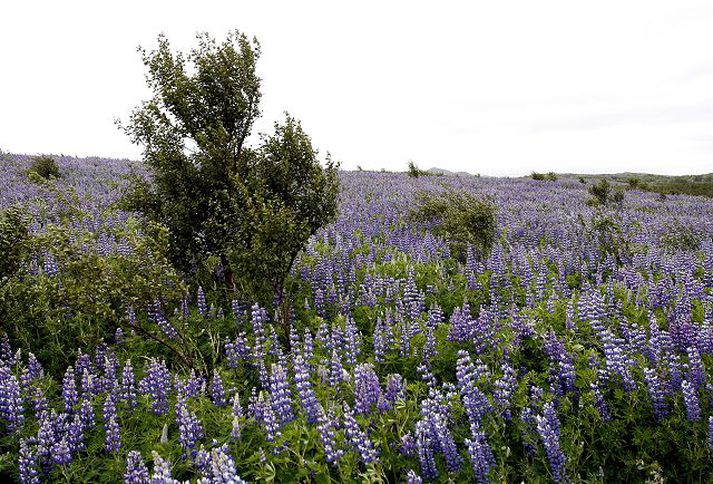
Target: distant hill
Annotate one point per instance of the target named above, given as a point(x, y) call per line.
point(443, 171)
point(663, 184)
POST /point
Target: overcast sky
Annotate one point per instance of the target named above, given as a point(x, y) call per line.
point(497, 88)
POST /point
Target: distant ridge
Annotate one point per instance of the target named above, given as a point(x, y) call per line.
point(442, 171)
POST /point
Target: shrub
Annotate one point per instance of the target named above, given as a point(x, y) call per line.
point(61, 292)
point(679, 238)
point(45, 166)
point(463, 219)
point(538, 176)
point(413, 170)
point(603, 194)
point(13, 240)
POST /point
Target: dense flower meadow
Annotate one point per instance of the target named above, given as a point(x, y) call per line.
point(579, 350)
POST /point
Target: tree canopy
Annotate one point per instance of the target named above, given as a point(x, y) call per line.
point(252, 208)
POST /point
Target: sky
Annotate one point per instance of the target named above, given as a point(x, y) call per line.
point(497, 88)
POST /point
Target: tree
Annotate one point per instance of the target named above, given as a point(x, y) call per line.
point(251, 208)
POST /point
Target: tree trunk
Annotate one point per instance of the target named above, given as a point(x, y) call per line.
point(229, 275)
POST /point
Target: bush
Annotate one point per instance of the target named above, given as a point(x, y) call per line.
point(679, 238)
point(603, 194)
point(463, 219)
point(414, 171)
point(551, 176)
point(13, 239)
point(61, 292)
point(45, 166)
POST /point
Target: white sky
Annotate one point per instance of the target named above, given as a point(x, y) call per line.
point(499, 88)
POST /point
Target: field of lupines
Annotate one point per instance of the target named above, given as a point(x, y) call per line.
point(579, 350)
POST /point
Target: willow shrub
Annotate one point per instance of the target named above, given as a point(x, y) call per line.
point(64, 289)
point(463, 219)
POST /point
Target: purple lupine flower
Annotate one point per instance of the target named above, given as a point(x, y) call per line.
point(696, 373)
point(69, 390)
point(34, 368)
point(393, 392)
point(194, 386)
point(119, 336)
point(6, 355)
point(157, 384)
point(358, 439)
point(127, 390)
point(429, 346)
point(424, 444)
point(336, 370)
point(264, 414)
point(710, 433)
point(380, 339)
point(433, 434)
point(190, 429)
point(136, 471)
point(112, 442)
point(27, 462)
point(481, 456)
point(504, 388)
point(280, 394)
point(217, 390)
point(161, 471)
point(413, 478)
point(474, 401)
point(690, 399)
point(325, 428)
point(352, 340)
point(86, 382)
point(220, 468)
point(367, 390)
point(111, 367)
point(305, 390)
point(45, 435)
point(38, 400)
point(60, 453)
point(201, 302)
point(75, 434)
point(11, 408)
point(86, 414)
point(599, 402)
point(548, 426)
point(657, 393)
point(237, 350)
point(408, 444)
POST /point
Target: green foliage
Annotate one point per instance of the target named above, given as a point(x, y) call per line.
point(603, 194)
point(678, 237)
point(45, 167)
point(550, 176)
point(413, 170)
point(193, 132)
point(286, 198)
point(463, 219)
point(78, 296)
point(251, 208)
point(605, 233)
point(13, 240)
